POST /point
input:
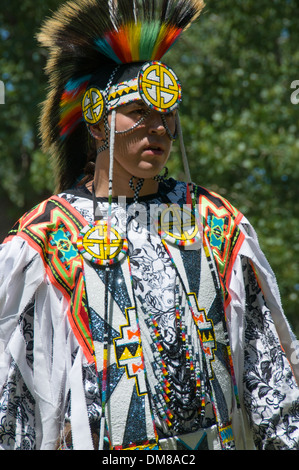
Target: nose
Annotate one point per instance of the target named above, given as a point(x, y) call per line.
point(156, 125)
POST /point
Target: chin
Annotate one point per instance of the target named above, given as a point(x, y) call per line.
point(147, 170)
point(147, 174)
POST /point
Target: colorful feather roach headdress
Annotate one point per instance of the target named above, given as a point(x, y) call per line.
point(87, 39)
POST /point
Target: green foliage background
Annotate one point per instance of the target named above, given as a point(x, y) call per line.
point(236, 65)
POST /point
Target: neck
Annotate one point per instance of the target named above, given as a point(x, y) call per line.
point(121, 186)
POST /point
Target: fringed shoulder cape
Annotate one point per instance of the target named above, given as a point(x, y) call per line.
point(210, 318)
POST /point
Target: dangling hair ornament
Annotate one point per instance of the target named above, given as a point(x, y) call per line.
point(104, 54)
point(136, 189)
point(163, 177)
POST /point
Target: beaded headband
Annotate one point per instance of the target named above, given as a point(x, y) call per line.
point(156, 84)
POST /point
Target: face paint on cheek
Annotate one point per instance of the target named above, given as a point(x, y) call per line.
point(139, 155)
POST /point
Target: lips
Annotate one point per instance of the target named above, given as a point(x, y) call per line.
point(154, 149)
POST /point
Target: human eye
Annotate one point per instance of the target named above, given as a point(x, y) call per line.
point(138, 110)
point(170, 118)
point(171, 114)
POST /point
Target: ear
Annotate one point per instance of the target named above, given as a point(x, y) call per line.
point(97, 131)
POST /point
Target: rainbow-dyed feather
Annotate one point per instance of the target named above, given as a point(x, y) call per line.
point(84, 37)
point(145, 30)
point(70, 105)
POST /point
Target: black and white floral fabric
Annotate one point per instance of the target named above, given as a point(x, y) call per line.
point(258, 334)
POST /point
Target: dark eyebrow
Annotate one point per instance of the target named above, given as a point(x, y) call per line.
point(133, 105)
point(137, 103)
